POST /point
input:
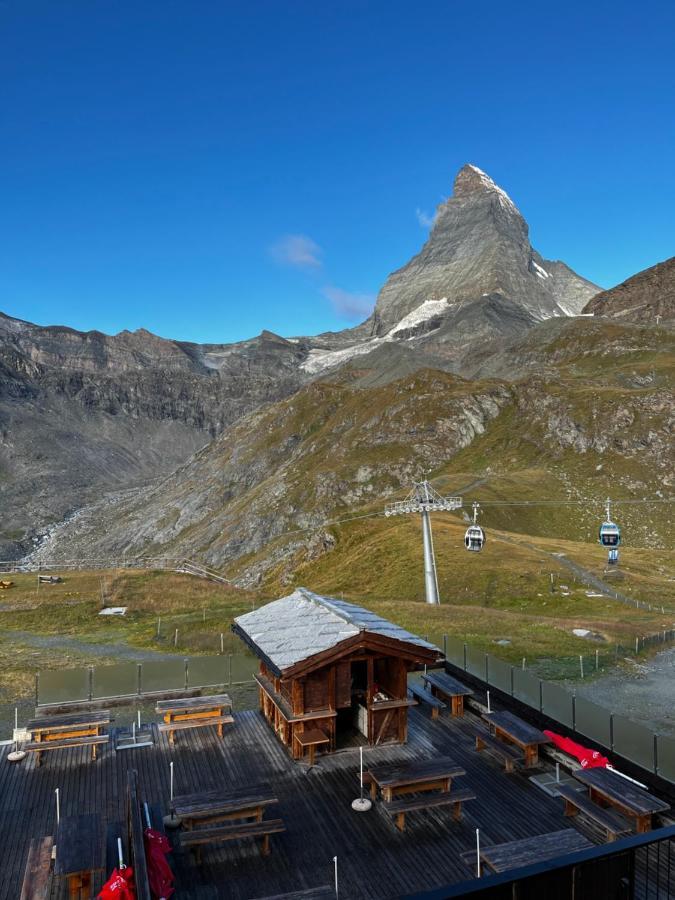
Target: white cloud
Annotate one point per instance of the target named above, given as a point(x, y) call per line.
point(347, 304)
point(424, 219)
point(297, 250)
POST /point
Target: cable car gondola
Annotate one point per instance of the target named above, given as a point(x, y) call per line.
point(474, 539)
point(612, 556)
point(610, 533)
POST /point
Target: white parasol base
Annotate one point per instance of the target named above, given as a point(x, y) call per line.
point(172, 821)
point(16, 756)
point(361, 804)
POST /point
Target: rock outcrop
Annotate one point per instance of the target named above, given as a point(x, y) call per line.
point(642, 298)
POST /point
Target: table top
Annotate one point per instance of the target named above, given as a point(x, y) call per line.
point(70, 720)
point(310, 737)
point(528, 851)
point(194, 704)
point(447, 684)
point(79, 844)
point(621, 791)
point(209, 803)
point(521, 732)
point(404, 773)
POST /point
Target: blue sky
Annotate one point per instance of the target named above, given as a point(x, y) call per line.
point(209, 168)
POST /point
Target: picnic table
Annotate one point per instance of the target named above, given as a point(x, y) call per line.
point(195, 712)
point(606, 787)
point(79, 852)
point(310, 739)
point(416, 776)
point(509, 728)
point(209, 807)
point(528, 851)
point(68, 730)
point(447, 686)
point(243, 812)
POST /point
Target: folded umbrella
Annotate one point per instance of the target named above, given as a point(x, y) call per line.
point(120, 885)
point(160, 876)
point(589, 759)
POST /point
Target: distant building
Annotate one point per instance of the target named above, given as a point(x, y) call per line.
point(333, 666)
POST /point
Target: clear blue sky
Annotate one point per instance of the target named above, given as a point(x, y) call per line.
point(209, 168)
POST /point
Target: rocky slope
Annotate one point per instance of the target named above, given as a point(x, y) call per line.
point(82, 413)
point(591, 415)
point(642, 298)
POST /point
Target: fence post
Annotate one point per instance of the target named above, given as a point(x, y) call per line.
point(90, 684)
point(656, 755)
point(229, 669)
point(37, 688)
point(186, 661)
point(140, 678)
point(487, 669)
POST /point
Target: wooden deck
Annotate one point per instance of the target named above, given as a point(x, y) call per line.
point(374, 859)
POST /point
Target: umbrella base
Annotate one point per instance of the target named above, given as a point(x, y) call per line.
point(172, 821)
point(16, 756)
point(361, 804)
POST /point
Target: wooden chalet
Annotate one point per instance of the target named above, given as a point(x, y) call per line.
point(332, 670)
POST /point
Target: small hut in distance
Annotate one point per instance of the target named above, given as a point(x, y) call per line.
point(332, 666)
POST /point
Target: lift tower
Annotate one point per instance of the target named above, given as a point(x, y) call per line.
point(424, 499)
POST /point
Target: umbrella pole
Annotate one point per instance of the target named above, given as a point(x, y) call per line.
point(172, 820)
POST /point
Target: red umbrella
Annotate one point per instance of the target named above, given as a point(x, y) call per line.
point(160, 876)
point(120, 885)
point(589, 759)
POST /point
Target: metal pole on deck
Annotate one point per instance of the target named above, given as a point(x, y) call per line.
point(478, 852)
point(172, 820)
point(361, 804)
point(336, 876)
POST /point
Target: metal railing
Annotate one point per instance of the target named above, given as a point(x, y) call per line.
point(641, 867)
point(174, 564)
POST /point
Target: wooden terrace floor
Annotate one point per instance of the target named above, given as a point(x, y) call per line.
point(375, 860)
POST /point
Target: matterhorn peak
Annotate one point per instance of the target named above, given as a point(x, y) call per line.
point(472, 181)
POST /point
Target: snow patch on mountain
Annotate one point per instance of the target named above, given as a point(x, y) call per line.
point(542, 273)
point(424, 311)
point(489, 184)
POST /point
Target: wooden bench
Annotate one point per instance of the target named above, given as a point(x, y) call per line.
point(454, 798)
point(578, 801)
point(428, 698)
point(39, 747)
point(509, 754)
point(238, 831)
point(185, 724)
point(38, 872)
point(533, 850)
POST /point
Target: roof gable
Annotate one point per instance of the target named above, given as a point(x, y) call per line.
point(295, 628)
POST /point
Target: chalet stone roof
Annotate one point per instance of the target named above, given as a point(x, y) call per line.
point(295, 628)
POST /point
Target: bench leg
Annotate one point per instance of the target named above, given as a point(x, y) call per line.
point(508, 766)
point(570, 808)
point(479, 743)
point(434, 712)
point(400, 821)
point(643, 824)
point(457, 811)
point(93, 752)
point(373, 791)
point(266, 845)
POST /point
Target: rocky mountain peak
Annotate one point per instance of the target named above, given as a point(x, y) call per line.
point(474, 182)
point(479, 259)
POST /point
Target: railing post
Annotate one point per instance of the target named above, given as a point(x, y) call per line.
point(656, 755)
point(90, 687)
point(487, 669)
point(37, 688)
point(186, 673)
point(139, 676)
point(229, 669)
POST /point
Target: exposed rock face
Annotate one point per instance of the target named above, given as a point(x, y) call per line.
point(479, 249)
point(642, 298)
point(85, 412)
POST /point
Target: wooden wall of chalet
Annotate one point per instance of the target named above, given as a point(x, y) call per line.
point(312, 701)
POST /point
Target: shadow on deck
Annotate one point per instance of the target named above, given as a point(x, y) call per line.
point(374, 859)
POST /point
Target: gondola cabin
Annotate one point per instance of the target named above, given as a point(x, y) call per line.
point(330, 667)
point(474, 539)
point(610, 534)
